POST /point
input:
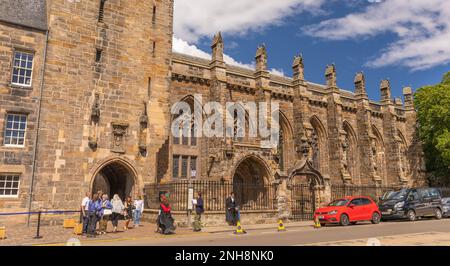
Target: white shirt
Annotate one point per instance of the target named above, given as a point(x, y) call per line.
point(139, 204)
point(85, 203)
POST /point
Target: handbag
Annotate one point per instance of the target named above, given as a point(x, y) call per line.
point(107, 212)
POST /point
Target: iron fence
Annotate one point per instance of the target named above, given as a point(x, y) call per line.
point(214, 194)
point(375, 192)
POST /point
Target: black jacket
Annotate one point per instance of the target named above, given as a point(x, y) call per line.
point(231, 204)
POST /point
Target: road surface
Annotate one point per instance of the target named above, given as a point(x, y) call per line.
point(424, 232)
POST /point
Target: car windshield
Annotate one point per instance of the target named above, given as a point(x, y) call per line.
point(339, 202)
point(395, 195)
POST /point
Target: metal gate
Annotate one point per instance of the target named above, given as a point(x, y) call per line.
point(302, 202)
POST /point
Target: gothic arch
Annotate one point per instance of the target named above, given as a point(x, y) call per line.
point(116, 175)
point(251, 177)
point(403, 155)
point(285, 144)
point(268, 178)
point(379, 155)
point(305, 170)
point(351, 152)
point(319, 148)
point(248, 123)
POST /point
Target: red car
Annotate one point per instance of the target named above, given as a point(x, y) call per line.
point(349, 210)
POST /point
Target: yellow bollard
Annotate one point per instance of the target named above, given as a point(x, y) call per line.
point(78, 229)
point(239, 229)
point(69, 223)
point(2, 232)
point(317, 223)
point(281, 226)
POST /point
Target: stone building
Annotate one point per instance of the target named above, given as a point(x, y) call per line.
point(100, 90)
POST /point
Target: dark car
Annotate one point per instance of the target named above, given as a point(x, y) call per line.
point(446, 207)
point(411, 203)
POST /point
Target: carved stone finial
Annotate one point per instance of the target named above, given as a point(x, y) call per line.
point(217, 47)
point(360, 84)
point(385, 88)
point(409, 99)
point(298, 68)
point(330, 75)
point(261, 58)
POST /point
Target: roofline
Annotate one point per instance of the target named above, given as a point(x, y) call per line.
point(24, 25)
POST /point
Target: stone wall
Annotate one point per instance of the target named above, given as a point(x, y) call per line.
point(21, 100)
point(105, 97)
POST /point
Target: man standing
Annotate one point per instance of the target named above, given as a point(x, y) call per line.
point(95, 207)
point(232, 210)
point(85, 212)
point(198, 205)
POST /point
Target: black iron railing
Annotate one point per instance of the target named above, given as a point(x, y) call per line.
point(214, 193)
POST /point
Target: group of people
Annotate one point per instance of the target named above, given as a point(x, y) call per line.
point(98, 209)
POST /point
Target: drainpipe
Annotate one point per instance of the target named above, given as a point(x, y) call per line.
point(36, 136)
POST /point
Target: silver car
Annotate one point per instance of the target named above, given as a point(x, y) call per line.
point(446, 207)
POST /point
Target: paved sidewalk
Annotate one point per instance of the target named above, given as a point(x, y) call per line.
point(22, 235)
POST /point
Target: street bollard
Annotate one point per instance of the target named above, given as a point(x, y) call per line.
point(38, 226)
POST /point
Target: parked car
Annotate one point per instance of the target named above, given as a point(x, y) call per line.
point(349, 210)
point(445, 207)
point(411, 204)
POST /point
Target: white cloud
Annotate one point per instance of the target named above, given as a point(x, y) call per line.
point(194, 19)
point(181, 46)
point(422, 29)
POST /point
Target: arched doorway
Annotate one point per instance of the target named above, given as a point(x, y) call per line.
point(303, 183)
point(115, 178)
point(251, 184)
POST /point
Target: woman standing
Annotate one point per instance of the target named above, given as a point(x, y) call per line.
point(105, 214)
point(165, 219)
point(129, 206)
point(117, 210)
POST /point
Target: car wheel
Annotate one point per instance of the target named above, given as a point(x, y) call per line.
point(438, 213)
point(322, 225)
point(412, 215)
point(376, 218)
point(344, 220)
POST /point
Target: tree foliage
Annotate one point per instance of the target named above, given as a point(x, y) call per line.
point(433, 110)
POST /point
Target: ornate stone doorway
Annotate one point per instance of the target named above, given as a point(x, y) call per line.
point(306, 185)
point(251, 184)
point(115, 178)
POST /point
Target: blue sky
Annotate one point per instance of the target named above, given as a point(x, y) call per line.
point(406, 41)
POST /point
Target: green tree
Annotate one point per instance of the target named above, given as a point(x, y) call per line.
point(433, 110)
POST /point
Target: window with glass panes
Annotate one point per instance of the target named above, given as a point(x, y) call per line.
point(22, 68)
point(15, 129)
point(184, 167)
point(9, 185)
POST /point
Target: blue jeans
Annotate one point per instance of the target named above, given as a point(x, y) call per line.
point(86, 223)
point(137, 217)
